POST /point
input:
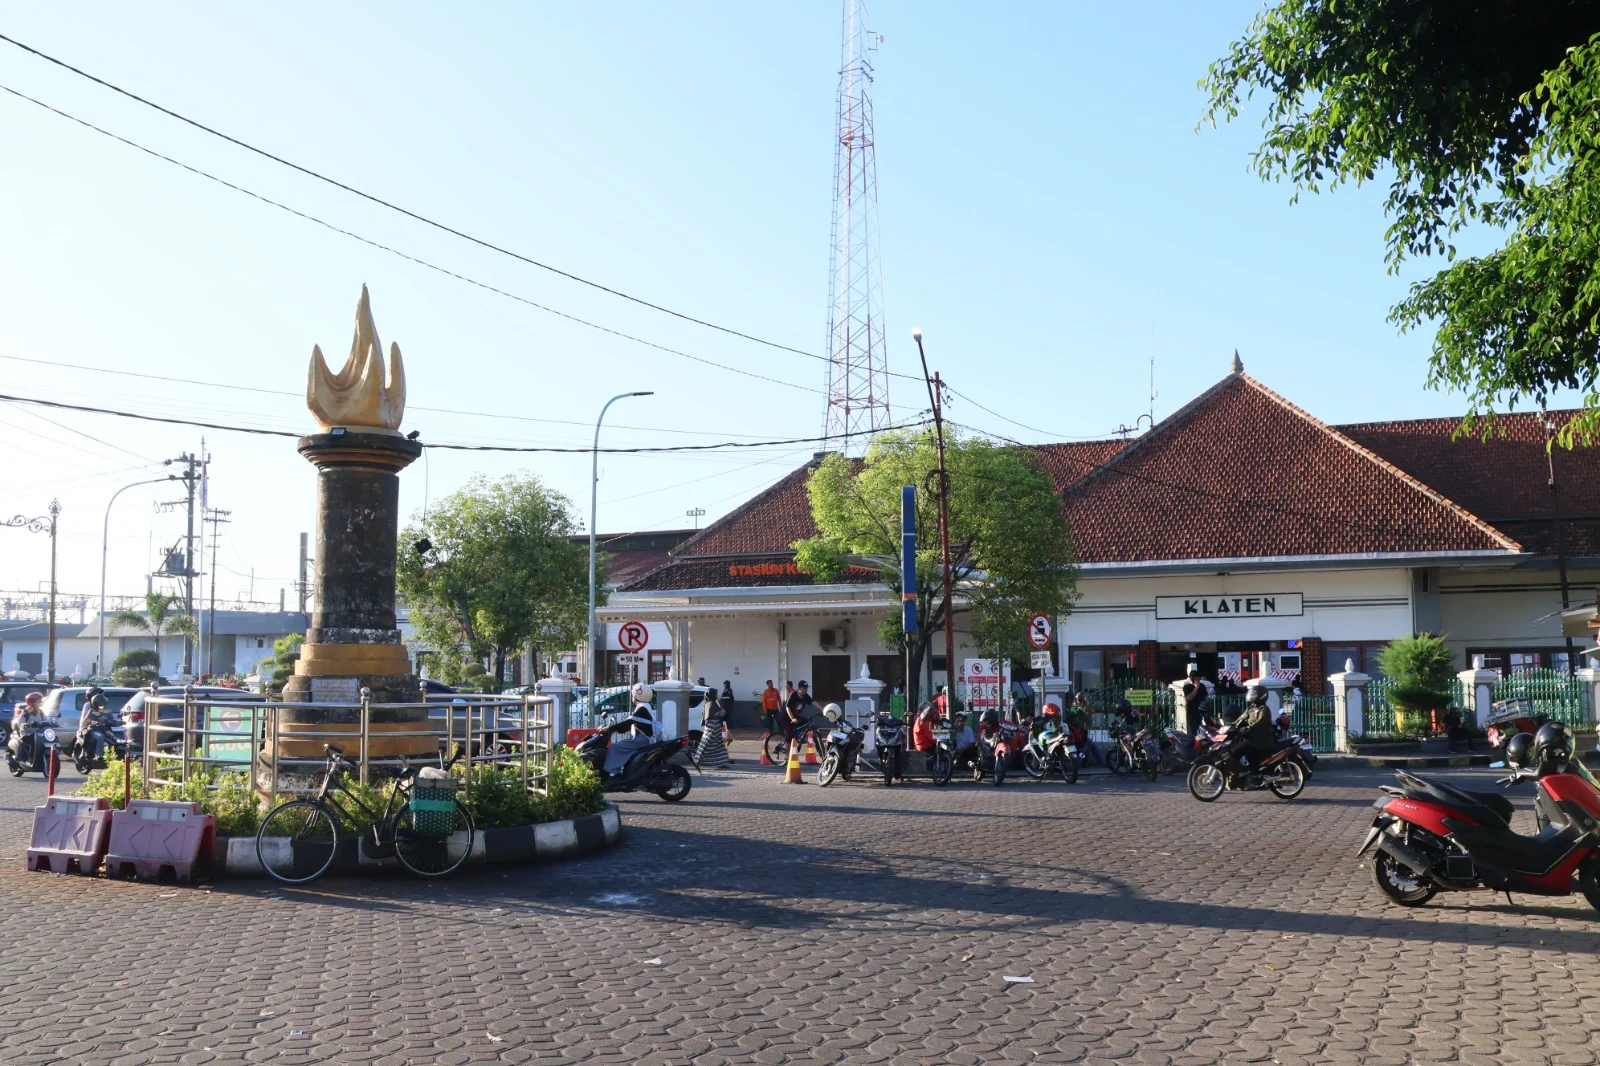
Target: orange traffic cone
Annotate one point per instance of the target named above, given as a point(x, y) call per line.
point(791, 775)
point(764, 760)
point(811, 753)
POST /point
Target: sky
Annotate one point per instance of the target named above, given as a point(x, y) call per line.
point(1050, 217)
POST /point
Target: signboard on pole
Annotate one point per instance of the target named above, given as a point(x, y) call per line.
point(633, 636)
point(1140, 697)
point(1040, 660)
point(987, 681)
point(1040, 630)
point(908, 558)
point(630, 659)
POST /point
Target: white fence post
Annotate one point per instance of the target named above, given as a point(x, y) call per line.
point(1479, 685)
point(1349, 705)
point(866, 697)
point(1273, 685)
point(672, 701)
point(1591, 677)
point(558, 689)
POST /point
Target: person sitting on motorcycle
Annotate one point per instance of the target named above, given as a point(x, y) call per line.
point(922, 728)
point(28, 712)
point(642, 722)
point(1253, 737)
point(1078, 721)
point(94, 709)
point(989, 730)
point(963, 742)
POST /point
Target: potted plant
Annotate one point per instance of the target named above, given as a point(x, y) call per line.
point(1420, 674)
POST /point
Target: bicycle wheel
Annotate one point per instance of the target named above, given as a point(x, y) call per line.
point(297, 841)
point(777, 750)
point(430, 855)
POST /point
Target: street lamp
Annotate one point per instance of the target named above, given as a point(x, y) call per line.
point(594, 505)
point(45, 524)
point(105, 541)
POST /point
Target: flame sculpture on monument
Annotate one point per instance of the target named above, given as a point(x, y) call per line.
point(353, 643)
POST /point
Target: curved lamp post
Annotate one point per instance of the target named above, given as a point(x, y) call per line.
point(594, 489)
point(45, 524)
point(105, 540)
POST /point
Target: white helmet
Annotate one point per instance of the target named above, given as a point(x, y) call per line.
point(641, 692)
point(832, 712)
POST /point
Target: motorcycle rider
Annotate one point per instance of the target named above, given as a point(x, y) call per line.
point(1253, 738)
point(963, 742)
point(94, 709)
point(642, 722)
point(28, 716)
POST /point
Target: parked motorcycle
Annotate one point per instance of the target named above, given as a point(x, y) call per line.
point(1509, 717)
point(1215, 772)
point(1134, 750)
point(844, 748)
point(1050, 751)
point(1434, 836)
point(1179, 750)
point(1287, 735)
point(637, 764)
point(34, 748)
point(97, 734)
point(890, 736)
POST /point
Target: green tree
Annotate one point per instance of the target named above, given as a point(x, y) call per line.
point(278, 667)
point(1420, 673)
point(1480, 115)
point(1010, 550)
point(162, 617)
point(137, 667)
point(504, 573)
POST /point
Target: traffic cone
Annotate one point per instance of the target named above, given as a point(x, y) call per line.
point(791, 775)
point(764, 760)
point(811, 753)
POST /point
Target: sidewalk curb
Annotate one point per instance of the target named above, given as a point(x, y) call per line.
point(1419, 762)
point(545, 842)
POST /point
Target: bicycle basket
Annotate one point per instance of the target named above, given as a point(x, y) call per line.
point(433, 810)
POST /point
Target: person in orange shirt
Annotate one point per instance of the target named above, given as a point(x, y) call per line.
point(771, 704)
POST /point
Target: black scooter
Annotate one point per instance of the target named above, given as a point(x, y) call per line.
point(97, 736)
point(35, 749)
point(645, 770)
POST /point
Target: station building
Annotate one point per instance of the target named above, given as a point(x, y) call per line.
point(1240, 535)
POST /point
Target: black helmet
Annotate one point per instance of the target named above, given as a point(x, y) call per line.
point(97, 702)
point(1258, 694)
point(1552, 747)
point(94, 691)
point(1519, 750)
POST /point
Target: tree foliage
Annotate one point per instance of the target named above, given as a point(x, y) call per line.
point(504, 573)
point(1420, 671)
point(136, 667)
point(1480, 112)
point(1010, 550)
point(163, 616)
point(278, 667)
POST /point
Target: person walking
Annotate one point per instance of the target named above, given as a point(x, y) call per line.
point(771, 707)
point(712, 751)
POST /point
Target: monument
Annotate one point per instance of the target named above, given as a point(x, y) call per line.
point(353, 642)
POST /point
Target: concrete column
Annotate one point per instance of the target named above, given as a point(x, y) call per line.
point(1479, 685)
point(672, 707)
point(1313, 666)
point(1275, 687)
point(1054, 689)
point(1591, 677)
point(866, 697)
point(558, 689)
point(1349, 704)
point(1149, 653)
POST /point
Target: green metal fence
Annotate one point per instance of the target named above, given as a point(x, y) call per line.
point(1377, 715)
point(1103, 703)
point(1551, 693)
point(1312, 718)
point(1380, 721)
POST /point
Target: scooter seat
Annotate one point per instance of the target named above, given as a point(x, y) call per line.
point(1485, 808)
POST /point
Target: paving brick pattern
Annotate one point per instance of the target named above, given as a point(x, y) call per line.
point(853, 924)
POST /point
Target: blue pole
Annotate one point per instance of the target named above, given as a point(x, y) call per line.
point(908, 558)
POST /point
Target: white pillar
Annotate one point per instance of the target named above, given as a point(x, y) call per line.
point(672, 707)
point(1349, 705)
point(558, 689)
point(866, 697)
point(1479, 686)
point(1048, 686)
point(1274, 687)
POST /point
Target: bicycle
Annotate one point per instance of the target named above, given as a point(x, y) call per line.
point(298, 840)
point(777, 745)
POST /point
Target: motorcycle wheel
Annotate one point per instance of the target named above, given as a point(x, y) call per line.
point(1291, 788)
point(1032, 763)
point(1589, 882)
point(889, 757)
point(1151, 769)
point(15, 767)
point(1170, 764)
point(681, 783)
point(1117, 762)
point(1067, 767)
point(1399, 882)
point(941, 765)
point(999, 772)
point(828, 770)
point(83, 763)
point(1206, 781)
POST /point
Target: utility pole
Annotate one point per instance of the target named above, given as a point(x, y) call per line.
point(935, 395)
point(1561, 536)
point(191, 482)
point(217, 517)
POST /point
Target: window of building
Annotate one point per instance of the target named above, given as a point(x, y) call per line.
point(660, 665)
point(1092, 668)
point(1363, 655)
point(1519, 660)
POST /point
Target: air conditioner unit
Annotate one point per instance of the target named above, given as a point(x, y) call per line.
point(827, 638)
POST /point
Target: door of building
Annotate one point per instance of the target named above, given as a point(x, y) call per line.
point(890, 669)
point(828, 675)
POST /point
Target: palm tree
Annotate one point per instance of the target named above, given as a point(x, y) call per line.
point(161, 616)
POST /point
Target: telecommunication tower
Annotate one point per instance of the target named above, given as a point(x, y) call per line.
point(858, 377)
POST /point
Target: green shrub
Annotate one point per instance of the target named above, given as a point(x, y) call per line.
point(496, 798)
point(1420, 672)
point(227, 797)
point(574, 787)
point(136, 667)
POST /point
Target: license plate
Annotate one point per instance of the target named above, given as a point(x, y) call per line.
point(1072, 749)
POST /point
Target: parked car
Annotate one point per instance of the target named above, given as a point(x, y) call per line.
point(134, 711)
point(14, 692)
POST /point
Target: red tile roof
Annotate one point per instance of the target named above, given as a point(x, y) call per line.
point(1240, 472)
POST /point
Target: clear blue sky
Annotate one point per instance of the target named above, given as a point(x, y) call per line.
point(1050, 218)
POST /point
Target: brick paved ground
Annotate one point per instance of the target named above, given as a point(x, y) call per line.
point(852, 924)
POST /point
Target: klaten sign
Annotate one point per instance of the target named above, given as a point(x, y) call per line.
point(1245, 605)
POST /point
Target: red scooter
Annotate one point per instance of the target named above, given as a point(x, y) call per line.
point(1433, 836)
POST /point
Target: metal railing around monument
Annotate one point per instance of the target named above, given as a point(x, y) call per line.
point(204, 736)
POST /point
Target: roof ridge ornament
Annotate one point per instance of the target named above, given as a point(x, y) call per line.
point(1238, 364)
point(358, 396)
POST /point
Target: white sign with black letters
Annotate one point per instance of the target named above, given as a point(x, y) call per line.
point(1243, 605)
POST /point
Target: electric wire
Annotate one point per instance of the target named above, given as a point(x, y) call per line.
point(405, 255)
point(415, 216)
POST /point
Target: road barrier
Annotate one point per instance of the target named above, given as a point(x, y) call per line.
point(153, 836)
point(68, 832)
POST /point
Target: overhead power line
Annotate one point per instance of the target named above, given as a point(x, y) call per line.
point(259, 431)
point(397, 252)
point(415, 216)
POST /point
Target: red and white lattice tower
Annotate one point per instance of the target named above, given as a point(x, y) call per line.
point(858, 376)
